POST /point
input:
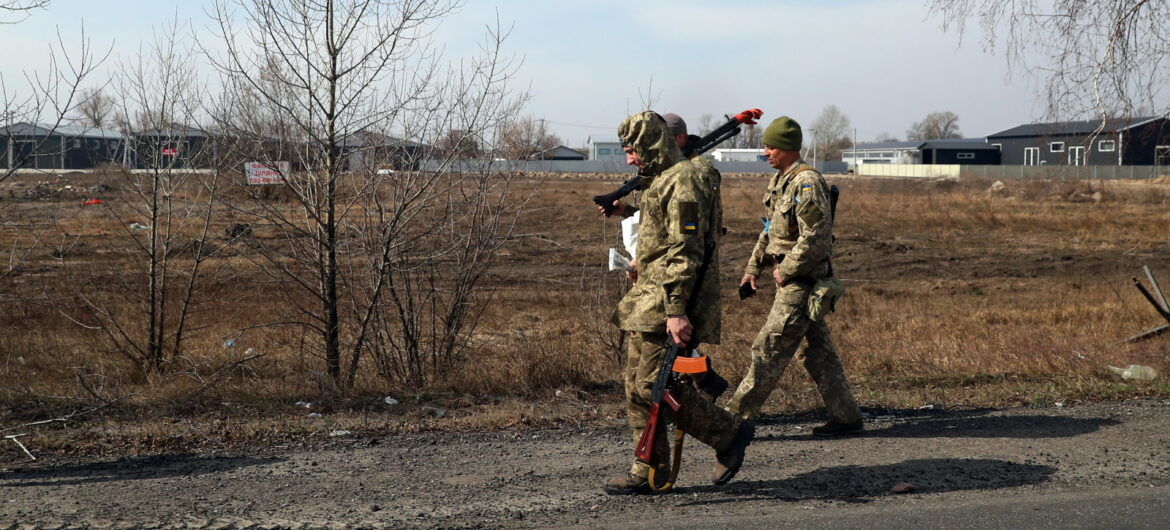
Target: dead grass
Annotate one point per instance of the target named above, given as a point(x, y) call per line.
point(957, 297)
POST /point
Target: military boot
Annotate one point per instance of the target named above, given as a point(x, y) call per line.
point(728, 461)
point(627, 485)
point(838, 429)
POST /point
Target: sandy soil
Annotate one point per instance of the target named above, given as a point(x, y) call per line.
point(553, 477)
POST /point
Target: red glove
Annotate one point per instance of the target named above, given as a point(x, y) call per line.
point(749, 116)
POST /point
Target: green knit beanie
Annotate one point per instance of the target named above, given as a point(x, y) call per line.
point(784, 134)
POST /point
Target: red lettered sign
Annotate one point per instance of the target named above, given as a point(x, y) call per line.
point(262, 173)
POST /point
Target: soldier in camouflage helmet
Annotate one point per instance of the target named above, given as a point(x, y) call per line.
point(797, 243)
point(677, 228)
point(678, 130)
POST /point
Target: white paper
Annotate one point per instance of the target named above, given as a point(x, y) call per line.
point(618, 262)
point(630, 232)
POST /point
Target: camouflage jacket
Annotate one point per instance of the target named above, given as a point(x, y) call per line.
point(799, 234)
point(710, 174)
point(680, 220)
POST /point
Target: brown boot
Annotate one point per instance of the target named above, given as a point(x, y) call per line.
point(627, 485)
point(728, 461)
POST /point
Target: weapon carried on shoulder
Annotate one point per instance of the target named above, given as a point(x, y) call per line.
point(698, 147)
point(689, 362)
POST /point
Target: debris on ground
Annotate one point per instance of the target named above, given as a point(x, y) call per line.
point(1135, 372)
point(902, 487)
point(238, 230)
point(1156, 298)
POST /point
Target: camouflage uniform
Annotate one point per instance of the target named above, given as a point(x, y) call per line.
point(679, 208)
point(799, 241)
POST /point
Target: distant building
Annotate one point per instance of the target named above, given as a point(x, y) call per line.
point(173, 147)
point(1125, 142)
point(561, 152)
point(366, 150)
point(738, 155)
point(609, 150)
point(970, 151)
point(39, 146)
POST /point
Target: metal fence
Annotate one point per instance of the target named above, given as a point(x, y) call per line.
point(602, 166)
point(1007, 172)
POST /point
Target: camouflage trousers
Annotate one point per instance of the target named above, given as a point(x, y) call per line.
point(787, 326)
point(698, 416)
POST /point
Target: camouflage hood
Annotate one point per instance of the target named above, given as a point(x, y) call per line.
point(650, 137)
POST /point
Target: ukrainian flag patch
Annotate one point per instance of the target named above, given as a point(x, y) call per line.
point(689, 217)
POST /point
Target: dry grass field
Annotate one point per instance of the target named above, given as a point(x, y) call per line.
point(957, 296)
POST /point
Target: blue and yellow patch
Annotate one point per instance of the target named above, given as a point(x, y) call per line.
point(689, 217)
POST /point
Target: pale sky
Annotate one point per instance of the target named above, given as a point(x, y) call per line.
point(589, 63)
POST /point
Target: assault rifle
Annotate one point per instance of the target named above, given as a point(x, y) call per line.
point(660, 393)
point(695, 148)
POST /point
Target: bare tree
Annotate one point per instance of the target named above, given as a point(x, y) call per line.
point(94, 108)
point(706, 124)
point(374, 265)
point(146, 314)
point(830, 132)
point(33, 108)
point(935, 126)
point(458, 143)
point(46, 98)
point(524, 139)
point(885, 137)
point(19, 10)
point(1095, 59)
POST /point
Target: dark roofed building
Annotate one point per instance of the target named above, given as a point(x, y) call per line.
point(561, 152)
point(944, 151)
point(173, 147)
point(38, 146)
point(1128, 141)
point(368, 150)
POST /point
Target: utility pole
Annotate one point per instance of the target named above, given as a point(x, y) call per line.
point(814, 142)
point(855, 164)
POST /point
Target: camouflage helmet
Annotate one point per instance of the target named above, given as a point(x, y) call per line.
point(647, 133)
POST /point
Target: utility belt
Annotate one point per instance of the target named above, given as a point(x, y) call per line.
point(804, 281)
point(823, 292)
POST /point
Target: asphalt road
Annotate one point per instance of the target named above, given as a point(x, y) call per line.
point(1100, 465)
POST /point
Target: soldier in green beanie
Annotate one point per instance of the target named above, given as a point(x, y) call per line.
point(797, 243)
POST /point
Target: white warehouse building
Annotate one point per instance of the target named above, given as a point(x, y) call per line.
point(606, 150)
